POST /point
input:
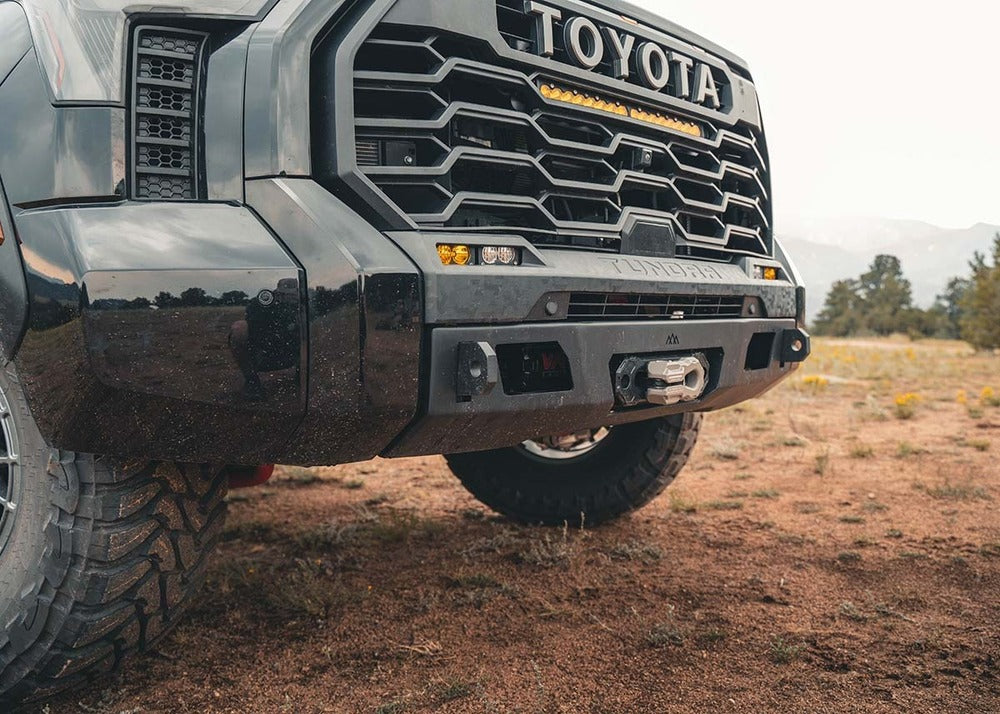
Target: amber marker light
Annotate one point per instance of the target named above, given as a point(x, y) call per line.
point(454, 254)
point(588, 101)
point(447, 254)
point(770, 273)
point(462, 255)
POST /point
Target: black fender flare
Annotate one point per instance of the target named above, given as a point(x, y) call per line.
point(15, 45)
point(13, 289)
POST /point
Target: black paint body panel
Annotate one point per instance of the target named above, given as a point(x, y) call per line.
point(134, 308)
point(365, 324)
point(57, 154)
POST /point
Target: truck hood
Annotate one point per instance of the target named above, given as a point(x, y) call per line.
point(80, 42)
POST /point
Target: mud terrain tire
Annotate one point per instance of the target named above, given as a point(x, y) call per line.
point(97, 560)
point(624, 472)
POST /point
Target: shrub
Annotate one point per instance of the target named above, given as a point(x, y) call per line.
point(816, 382)
point(906, 405)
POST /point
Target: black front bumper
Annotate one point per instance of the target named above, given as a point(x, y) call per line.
point(130, 350)
point(454, 423)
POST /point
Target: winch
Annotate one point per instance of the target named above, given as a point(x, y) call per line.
point(663, 381)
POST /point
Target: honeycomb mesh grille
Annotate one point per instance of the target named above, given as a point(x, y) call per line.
point(165, 87)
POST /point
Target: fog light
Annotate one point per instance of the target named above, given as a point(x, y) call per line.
point(499, 255)
point(490, 255)
point(508, 256)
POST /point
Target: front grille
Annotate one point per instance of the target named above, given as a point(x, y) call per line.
point(625, 306)
point(460, 138)
point(166, 74)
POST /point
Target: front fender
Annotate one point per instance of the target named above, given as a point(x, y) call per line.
point(15, 37)
point(13, 291)
point(15, 43)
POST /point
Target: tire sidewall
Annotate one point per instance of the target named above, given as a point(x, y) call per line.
point(103, 559)
point(38, 554)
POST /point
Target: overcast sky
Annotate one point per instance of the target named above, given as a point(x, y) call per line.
point(872, 107)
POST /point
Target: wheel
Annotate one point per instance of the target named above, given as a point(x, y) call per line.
point(97, 559)
point(581, 479)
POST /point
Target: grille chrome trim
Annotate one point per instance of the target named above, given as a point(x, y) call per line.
point(164, 103)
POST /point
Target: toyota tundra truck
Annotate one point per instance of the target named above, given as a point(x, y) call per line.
point(533, 236)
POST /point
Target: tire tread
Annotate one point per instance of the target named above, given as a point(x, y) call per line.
point(127, 547)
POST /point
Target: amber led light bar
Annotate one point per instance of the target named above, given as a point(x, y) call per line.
point(581, 99)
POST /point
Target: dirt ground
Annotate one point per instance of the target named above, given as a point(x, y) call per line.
point(834, 546)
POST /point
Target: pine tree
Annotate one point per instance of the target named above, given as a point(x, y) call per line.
point(842, 314)
point(949, 307)
point(886, 296)
point(981, 304)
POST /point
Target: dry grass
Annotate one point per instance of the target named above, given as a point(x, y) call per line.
point(724, 505)
point(862, 451)
point(637, 550)
point(784, 652)
point(728, 449)
point(546, 551)
point(948, 491)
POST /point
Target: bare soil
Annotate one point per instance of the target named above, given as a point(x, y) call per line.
point(833, 547)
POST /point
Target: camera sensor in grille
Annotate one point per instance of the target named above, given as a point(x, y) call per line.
point(166, 69)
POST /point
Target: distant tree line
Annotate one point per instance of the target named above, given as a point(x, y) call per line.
point(323, 300)
point(880, 302)
point(197, 297)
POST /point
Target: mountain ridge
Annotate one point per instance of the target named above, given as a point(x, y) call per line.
point(827, 251)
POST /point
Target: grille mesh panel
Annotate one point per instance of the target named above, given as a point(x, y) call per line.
point(490, 153)
point(618, 306)
point(165, 86)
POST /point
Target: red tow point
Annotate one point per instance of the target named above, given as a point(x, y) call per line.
point(250, 476)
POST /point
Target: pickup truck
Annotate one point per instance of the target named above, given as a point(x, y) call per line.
point(535, 237)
